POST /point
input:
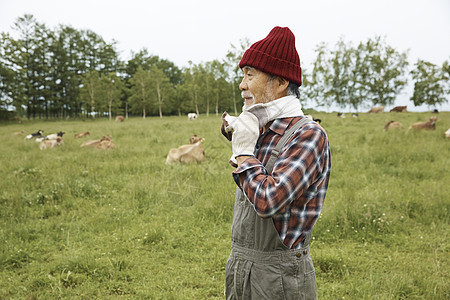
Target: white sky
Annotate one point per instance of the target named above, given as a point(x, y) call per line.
point(202, 30)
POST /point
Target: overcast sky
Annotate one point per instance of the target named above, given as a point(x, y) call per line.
point(203, 30)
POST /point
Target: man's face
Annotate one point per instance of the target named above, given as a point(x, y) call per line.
point(256, 86)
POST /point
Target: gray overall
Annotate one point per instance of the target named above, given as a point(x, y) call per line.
point(260, 266)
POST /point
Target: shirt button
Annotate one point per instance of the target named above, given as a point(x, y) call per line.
point(299, 255)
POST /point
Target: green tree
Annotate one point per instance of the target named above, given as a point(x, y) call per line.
point(359, 77)
point(193, 84)
point(341, 68)
point(446, 76)
point(22, 63)
point(160, 87)
point(206, 74)
point(141, 85)
point(306, 91)
point(386, 69)
point(322, 77)
point(146, 61)
point(112, 88)
point(220, 86)
point(91, 91)
point(231, 65)
point(429, 85)
point(11, 93)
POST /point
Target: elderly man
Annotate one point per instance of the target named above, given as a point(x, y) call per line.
point(282, 162)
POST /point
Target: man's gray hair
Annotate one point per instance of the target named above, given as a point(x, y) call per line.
point(293, 89)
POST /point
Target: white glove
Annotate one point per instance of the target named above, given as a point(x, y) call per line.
point(245, 130)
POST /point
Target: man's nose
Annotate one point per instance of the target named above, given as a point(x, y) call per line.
point(243, 85)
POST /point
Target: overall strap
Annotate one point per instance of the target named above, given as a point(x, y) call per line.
point(286, 137)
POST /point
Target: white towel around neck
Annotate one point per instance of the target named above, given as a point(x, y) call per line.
point(285, 107)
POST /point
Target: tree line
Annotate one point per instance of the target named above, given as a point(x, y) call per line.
point(70, 73)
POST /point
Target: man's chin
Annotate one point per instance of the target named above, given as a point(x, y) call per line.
point(248, 102)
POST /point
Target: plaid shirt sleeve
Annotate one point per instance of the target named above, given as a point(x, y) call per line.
point(299, 174)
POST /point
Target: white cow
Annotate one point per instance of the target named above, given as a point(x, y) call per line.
point(447, 133)
point(192, 116)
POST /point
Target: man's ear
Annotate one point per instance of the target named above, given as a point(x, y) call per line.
point(282, 85)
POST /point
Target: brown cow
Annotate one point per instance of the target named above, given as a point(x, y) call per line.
point(375, 110)
point(195, 138)
point(399, 109)
point(51, 143)
point(94, 143)
point(82, 134)
point(187, 153)
point(393, 125)
point(428, 125)
point(119, 119)
point(19, 132)
point(105, 144)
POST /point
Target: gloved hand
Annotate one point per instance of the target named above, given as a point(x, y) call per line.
point(225, 118)
point(245, 129)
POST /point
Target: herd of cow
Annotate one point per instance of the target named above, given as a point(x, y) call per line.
point(427, 125)
point(56, 139)
point(194, 151)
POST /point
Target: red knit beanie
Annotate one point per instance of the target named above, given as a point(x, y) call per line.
point(276, 55)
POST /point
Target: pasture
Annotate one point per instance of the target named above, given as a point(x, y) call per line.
point(80, 223)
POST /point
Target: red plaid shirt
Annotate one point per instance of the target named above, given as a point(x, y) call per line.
point(294, 193)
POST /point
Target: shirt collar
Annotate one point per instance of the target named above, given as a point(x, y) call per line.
point(279, 126)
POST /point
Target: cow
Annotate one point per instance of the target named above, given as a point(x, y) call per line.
point(399, 109)
point(192, 116)
point(355, 115)
point(313, 119)
point(105, 144)
point(51, 143)
point(81, 134)
point(195, 138)
point(375, 110)
point(94, 143)
point(119, 119)
point(435, 111)
point(341, 115)
point(19, 132)
point(52, 136)
point(428, 125)
point(447, 133)
point(393, 125)
point(34, 135)
point(187, 153)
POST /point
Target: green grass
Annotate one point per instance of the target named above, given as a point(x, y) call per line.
point(82, 223)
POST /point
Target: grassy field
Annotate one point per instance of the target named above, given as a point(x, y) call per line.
point(80, 223)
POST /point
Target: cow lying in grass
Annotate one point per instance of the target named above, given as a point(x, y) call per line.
point(34, 135)
point(375, 110)
point(104, 143)
point(393, 125)
point(399, 109)
point(19, 132)
point(194, 152)
point(51, 143)
point(81, 134)
point(52, 136)
point(428, 125)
